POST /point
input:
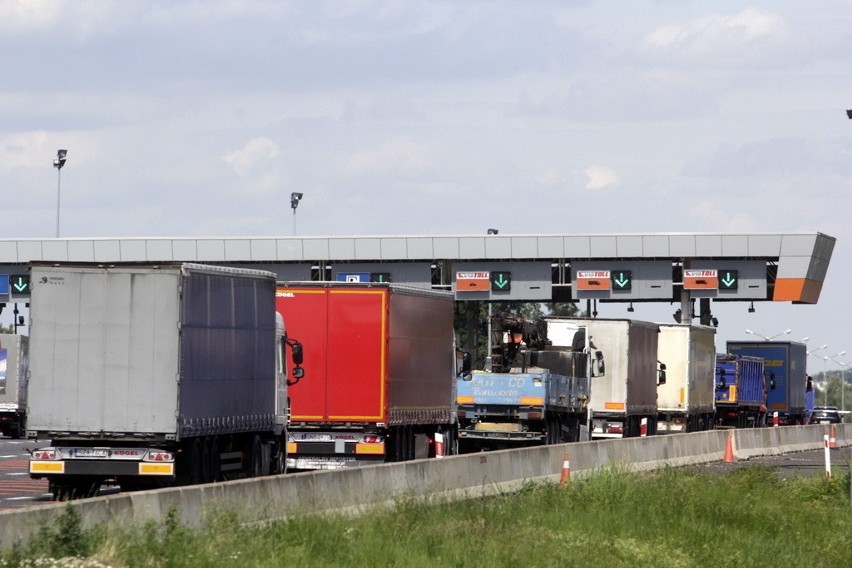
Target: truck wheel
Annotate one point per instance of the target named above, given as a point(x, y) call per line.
point(452, 440)
point(278, 462)
point(554, 431)
point(206, 475)
point(214, 465)
point(256, 456)
point(409, 443)
point(196, 455)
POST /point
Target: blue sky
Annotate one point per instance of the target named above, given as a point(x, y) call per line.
point(415, 117)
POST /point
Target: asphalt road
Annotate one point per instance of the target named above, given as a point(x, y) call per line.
point(802, 464)
point(16, 488)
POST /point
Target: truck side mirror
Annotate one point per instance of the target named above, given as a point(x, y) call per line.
point(661, 375)
point(298, 355)
point(771, 381)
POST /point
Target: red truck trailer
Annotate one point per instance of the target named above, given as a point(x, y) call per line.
point(382, 381)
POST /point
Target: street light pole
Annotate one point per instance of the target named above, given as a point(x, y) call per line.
point(824, 377)
point(58, 162)
point(842, 380)
point(785, 332)
point(827, 359)
point(295, 198)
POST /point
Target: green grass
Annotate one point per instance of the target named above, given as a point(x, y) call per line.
point(616, 518)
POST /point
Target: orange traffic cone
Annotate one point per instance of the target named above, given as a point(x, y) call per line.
point(832, 441)
point(729, 449)
point(566, 470)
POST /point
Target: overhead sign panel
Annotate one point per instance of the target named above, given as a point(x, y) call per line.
point(473, 281)
point(4, 284)
point(703, 279)
point(593, 280)
point(503, 281)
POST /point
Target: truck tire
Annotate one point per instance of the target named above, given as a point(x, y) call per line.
point(278, 464)
point(214, 466)
point(256, 458)
point(452, 440)
point(16, 431)
point(195, 467)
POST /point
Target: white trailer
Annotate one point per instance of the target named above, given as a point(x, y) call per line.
point(687, 401)
point(13, 384)
point(151, 375)
point(623, 401)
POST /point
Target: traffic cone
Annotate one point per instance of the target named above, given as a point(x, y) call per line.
point(566, 470)
point(729, 449)
point(832, 441)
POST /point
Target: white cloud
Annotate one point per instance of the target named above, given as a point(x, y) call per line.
point(599, 177)
point(712, 34)
point(25, 150)
point(19, 17)
point(256, 152)
point(400, 157)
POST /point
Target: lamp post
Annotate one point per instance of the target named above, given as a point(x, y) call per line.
point(821, 347)
point(295, 198)
point(785, 332)
point(842, 380)
point(58, 162)
point(812, 351)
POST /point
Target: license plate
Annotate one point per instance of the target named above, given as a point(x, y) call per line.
point(90, 453)
point(313, 437)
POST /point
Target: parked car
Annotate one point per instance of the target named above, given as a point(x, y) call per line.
point(825, 415)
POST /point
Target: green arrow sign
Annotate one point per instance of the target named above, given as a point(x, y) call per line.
point(19, 284)
point(728, 279)
point(501, 281)
point(380, 277)
point(621, 280)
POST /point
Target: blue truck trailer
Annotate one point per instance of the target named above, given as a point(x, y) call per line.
point(531, 395)
point(786, 363)
point(741, 390)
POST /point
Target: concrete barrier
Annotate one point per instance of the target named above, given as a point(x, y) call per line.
point(471, 475)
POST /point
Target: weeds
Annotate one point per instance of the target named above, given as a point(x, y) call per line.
point(672, 518)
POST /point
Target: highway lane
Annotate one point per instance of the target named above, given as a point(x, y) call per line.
point(796, 464)
point(16, 488)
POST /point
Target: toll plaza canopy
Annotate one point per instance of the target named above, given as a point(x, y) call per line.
point(784, 267)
